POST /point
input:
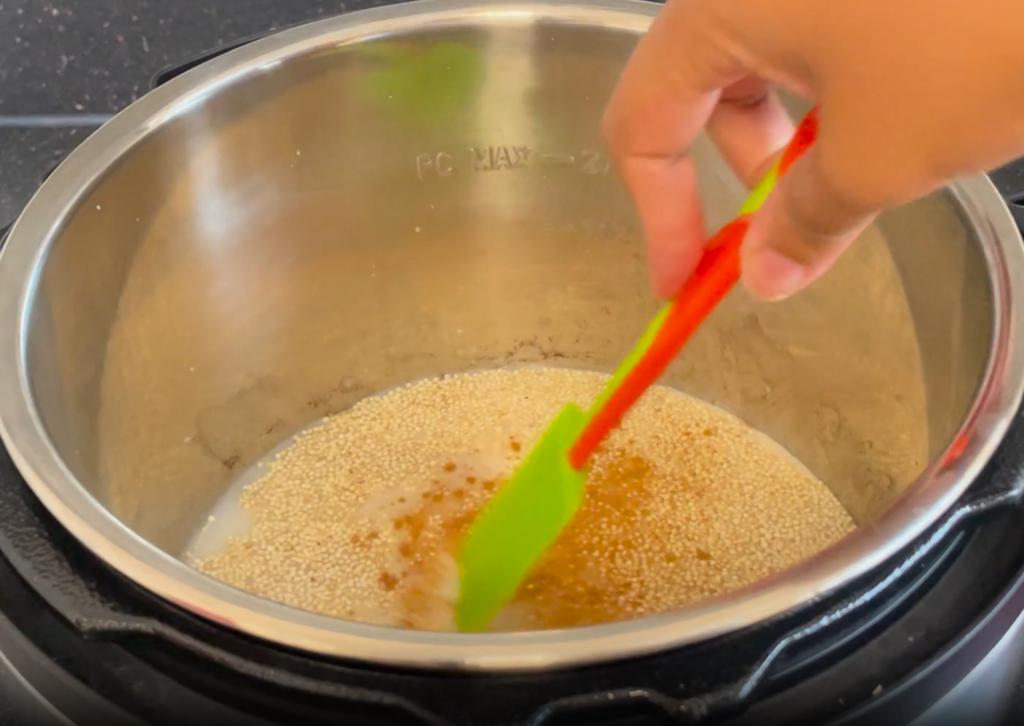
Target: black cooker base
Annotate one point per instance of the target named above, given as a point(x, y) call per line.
point(162, 666)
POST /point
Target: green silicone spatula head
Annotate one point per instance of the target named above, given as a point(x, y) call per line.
point(531, 509)
point(519, 522)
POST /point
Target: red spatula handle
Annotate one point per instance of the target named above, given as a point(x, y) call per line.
point(716, 273)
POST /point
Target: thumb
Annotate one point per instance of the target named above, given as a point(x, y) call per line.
point(804, 225)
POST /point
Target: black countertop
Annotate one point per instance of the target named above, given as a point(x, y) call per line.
point(66, 66)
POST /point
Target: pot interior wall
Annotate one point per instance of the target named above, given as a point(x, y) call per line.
point(363, 215)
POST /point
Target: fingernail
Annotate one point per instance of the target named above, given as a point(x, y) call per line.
point(772, 276)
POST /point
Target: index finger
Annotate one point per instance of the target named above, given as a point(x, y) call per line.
point(667, 93)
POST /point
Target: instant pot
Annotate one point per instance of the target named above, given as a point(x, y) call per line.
point(282, 228)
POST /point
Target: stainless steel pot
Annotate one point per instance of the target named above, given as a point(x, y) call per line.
point(420, 189)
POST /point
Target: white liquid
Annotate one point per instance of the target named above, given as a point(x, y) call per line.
point(229, 519)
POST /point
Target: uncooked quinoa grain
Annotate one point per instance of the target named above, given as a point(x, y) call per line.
point(360, 516)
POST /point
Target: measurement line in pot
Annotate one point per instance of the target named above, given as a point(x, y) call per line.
point(558, 158)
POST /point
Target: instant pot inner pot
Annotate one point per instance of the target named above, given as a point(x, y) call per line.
point(359, 216)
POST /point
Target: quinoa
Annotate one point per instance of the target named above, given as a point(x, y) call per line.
point(360, 516)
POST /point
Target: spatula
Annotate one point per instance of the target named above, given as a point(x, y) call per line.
point(529, 511)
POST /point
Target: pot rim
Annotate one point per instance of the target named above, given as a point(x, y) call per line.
point(934, 491)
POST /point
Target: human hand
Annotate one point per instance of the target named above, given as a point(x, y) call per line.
point(911, 95)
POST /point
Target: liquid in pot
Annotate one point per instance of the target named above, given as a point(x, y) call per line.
point(360, 516)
